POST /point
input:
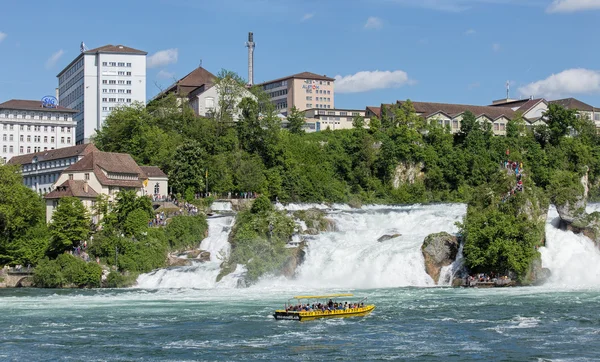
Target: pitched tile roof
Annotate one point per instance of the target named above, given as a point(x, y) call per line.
point(153, 171)
point(572, 103)
point(75, 188)
point(101, 162)
point(375, 110)
point(303, 75)
point(427, 109)
point(121, 49)
point(530, 104)
point(193, 80)
point(29, 105)
point(66, 152)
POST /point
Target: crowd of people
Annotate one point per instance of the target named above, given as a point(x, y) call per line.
point(330, 306)
point(517, 168)
point(472, 280)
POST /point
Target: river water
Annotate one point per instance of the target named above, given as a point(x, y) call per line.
point(164, 319)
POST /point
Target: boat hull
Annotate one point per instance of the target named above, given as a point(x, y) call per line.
point(307, 316)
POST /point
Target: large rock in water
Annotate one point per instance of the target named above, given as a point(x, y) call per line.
point(439, 250)
point(294, 261)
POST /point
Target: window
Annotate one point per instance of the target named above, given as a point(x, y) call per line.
point(308, 105)
point(62, 140)
point(129, 91)
point(309, 98)
point(21, 138)
point(11, 127)
point(128, 100)
point(104, 90)
point(70, 176)
point(128, 82)
point(597, 116)
point(113, 64)
point(22, 127)
point(62, 129)
point(502, 127)
point(128, 73)
point(455, 124)
point(112, 82)
point(52, 139)
point(68, 139)
point(4, 148)
point(105, 108)
point(343, 113)
point(209, 102)
point(104, 64)
point(121, 64)
point(45, 139)
point(121, 91)
point(104, 99)
point(21, 149)
point(104, 81)
point(10, 149)
point(112, 99)
point(28, 138)
point(121, 73)
point(496, 127)
point(87, 176)
point(28, 149)
point(52, 129)
point(129, 64)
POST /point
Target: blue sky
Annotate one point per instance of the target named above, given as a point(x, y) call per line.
point(455, 51)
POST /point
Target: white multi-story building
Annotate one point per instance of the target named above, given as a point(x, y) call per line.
point(98, 81)
point(27, 126)
point(321, 119)
point(40, 170)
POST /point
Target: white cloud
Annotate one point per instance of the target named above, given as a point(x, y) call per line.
point(365, 81)
point(373, 23)
point(163, 74)
point(2, 36)
point(470, 32)
point(565, 83)
point(496, 47)
point(569, 6)
point(162, 58)
point(307, 17)
point(51, 62)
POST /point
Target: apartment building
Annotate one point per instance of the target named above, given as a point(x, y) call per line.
point(303, 90)
point(584, 109)
point(99, 80)
point(33, 126)
point(321, 119)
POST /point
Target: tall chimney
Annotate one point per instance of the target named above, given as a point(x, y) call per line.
point(250, 45)
point(56, 94)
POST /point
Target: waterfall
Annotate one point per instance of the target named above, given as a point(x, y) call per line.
point(199, 275)
point(221, 206)
point(352, 257)
point(573, 259)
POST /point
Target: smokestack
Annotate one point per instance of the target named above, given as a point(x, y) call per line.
point(56, 94)
point(250, 45)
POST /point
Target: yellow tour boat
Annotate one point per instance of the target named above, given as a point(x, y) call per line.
point(322, 306)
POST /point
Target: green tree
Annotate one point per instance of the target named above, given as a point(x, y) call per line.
point(559, 120)
point(188, 167)
point(296, 121)
point(70, 226)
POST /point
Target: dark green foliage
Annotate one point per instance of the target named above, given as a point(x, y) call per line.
point(70, 226)
point(296, 121)
point(261, 205)
point(67, 270)
point(186, 232)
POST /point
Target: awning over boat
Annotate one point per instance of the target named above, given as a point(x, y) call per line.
point(322, 296)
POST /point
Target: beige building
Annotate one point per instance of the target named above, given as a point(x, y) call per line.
point(303, 90)
point(321, 119)
point(585, 110)
point(105, 173)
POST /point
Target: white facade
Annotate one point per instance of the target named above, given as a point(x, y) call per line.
point(206, 103)
point(25, 129)
point(321, 119)
point(98, 81)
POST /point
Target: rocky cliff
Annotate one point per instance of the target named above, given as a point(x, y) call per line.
point(439, 250)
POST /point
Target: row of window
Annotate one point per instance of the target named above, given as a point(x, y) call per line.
point(322, 82)
point(32, 180)
point(322, 106)
point(35, 139)
point(112, 90)
point(48, 164)
point(275, 85)
point(114, 100)
point(115, 64)
point(71, 70)
point(281, 105)
point(10, 149)
point(278, 93)
point(10, 127)
point(36, 116)
point(114, 81)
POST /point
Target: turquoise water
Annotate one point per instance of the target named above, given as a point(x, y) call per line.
point(428, 324)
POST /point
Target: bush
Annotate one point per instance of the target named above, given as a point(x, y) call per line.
point(67, 270)
point(186, 231)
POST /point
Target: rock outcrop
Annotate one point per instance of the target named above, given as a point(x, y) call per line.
point(407, 173)
point(294, 261)
point(388, 237)
point(439, 250)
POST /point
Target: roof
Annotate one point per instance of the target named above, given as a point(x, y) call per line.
point(572, 103)
point(28, 105)
point(427, 109)
point(59, 153)
point(153, 171)
point(303, 75)
point(530, 104)
point(97, 162)
point(193, 80)
point(114, 49)
point(119, 49)
point(375, 110)
point(511, 103)
point(75, 188)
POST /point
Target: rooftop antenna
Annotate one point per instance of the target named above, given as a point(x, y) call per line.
point(82, 47)
point(507, 90)
point(200, 65)
point(250, 45)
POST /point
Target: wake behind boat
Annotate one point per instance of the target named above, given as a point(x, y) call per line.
point(322, 306)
